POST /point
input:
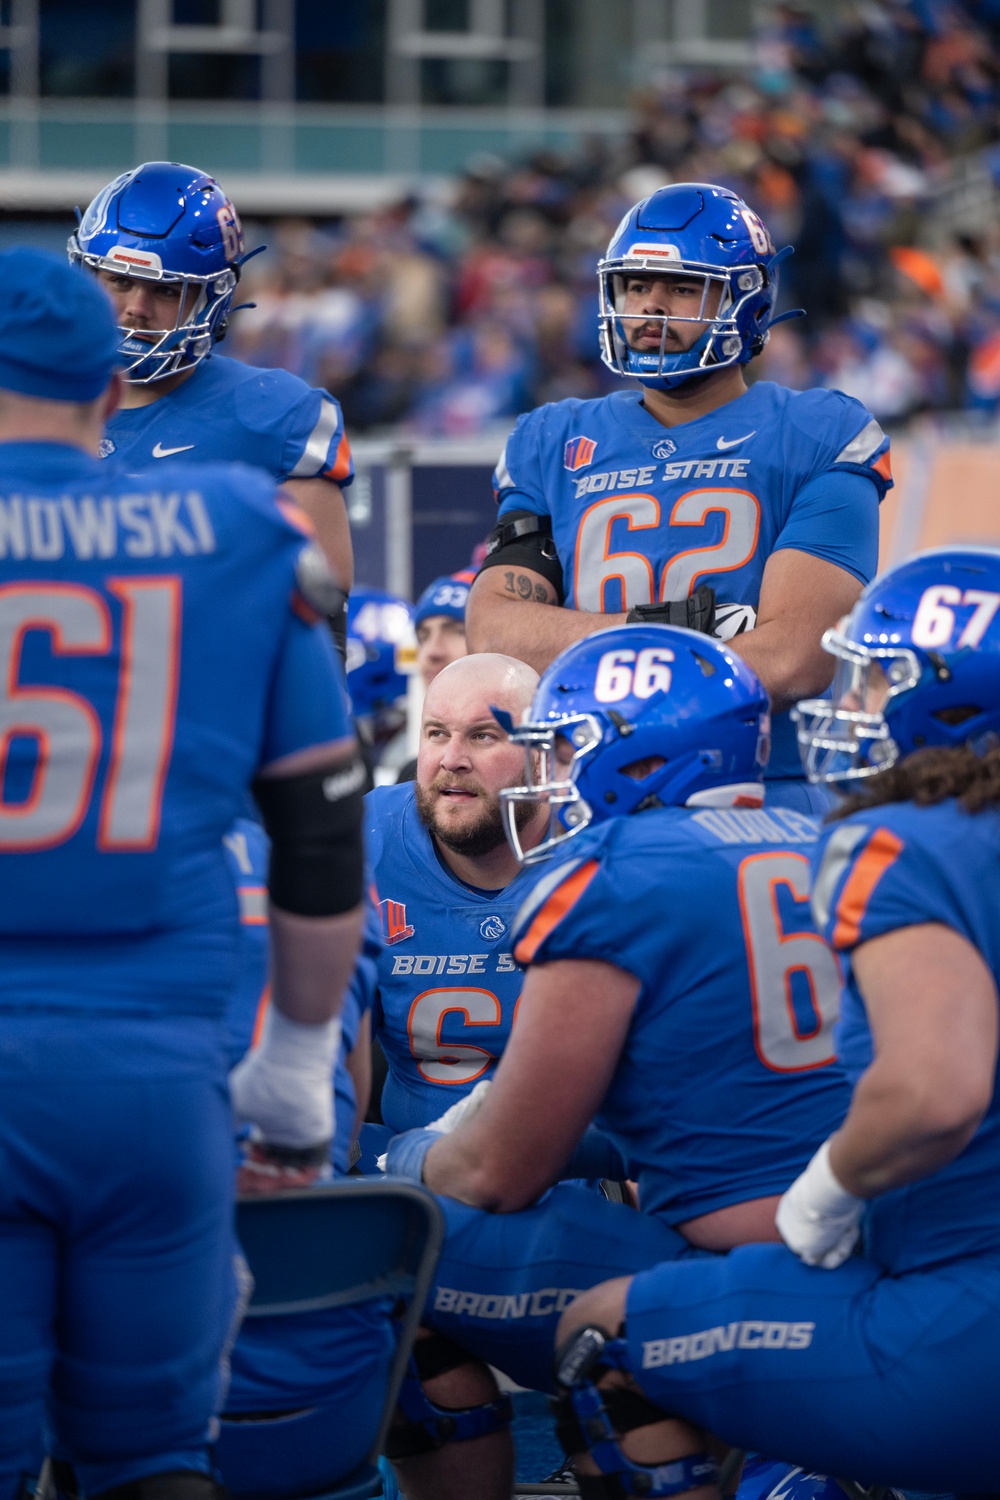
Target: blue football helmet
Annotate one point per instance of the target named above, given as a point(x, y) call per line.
point(381, 653)
point(702, 232)
point(166, 223)
point(628, 695)
point(918, 663)
point(771, 1479)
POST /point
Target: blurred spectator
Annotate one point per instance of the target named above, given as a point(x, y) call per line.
point(450, 317)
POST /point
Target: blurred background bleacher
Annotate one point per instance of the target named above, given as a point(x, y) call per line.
point(436, 179)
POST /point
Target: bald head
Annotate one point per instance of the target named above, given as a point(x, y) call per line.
point(477, 681)
point(465, 758)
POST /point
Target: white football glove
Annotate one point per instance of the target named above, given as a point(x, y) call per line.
point(817, 1218)
point(463, 1109)
point(284, 1086)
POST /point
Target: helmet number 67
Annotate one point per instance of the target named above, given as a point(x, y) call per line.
point(934, 621)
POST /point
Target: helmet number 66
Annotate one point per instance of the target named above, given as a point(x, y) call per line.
point(639, 673)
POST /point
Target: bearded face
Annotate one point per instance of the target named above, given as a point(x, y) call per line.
point(464, 815)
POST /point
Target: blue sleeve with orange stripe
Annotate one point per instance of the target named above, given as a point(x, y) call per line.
point(875, 873)
point(568, 915)
point(315, 443)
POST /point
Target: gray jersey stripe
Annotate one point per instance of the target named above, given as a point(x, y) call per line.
point(861, 448)
point(542, 892)
point(835, 857)
point(504, 481)
point(253, 903)
point(313, 460)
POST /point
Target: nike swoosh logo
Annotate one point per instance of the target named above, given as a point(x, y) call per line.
point(724, 443)
point(159, 452)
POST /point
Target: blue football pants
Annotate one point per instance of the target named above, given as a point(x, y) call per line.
point(328, 1373)
point(117, 1280)
point(503, 1280)
point(883, 1379)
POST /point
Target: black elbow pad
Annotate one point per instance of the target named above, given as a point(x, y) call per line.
point(524, 540)
point(317, 852)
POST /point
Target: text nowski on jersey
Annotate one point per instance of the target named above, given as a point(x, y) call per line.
point(453, 963)
point(151, 524)
point(695, 468)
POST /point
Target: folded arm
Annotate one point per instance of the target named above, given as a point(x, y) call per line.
point(572, 1021)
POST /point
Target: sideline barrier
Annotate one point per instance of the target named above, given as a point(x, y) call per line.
point(418, 509)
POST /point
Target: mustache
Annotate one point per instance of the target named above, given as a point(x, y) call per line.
point(450, 784)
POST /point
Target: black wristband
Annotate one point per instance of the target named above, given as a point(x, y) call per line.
point(694, 613)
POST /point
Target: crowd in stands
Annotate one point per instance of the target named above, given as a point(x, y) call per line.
point(449, 316)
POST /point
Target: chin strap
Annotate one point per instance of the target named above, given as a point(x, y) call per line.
point(590, 1420)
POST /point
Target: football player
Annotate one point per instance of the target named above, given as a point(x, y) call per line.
point(248, 852)
point(158, 658)
point(693, 501)
point(323, 1375)
point(167, 245)
point(439, 620)
point(448, 888)
point(381, 655)
point(883, 1364)
point(675, 988)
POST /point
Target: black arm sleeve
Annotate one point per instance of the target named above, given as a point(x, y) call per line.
point(524, 539)
point(317, 852)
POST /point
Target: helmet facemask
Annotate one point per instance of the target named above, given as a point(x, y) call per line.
point(846, 737)
point(720, 343)
point(553, 753)
point(151, 354)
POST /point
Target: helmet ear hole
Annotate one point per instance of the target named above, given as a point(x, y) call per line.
point(639, 770)
point(958, 714)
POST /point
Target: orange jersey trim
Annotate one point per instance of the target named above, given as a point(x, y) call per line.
point(562, 900)
point(341, 466)
point(883, 466)
point(258, 1024)
point(881, 853)
point(294, 514)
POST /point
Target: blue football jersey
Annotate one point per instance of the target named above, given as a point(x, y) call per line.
point(896, 866)
point(447, 984)
point(728, 1081)
point(641, 512)
point(156, 653)
point(247, 851)
point(229, 410)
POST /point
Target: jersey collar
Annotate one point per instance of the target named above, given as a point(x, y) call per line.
point(49, 460)
point(628, 408)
